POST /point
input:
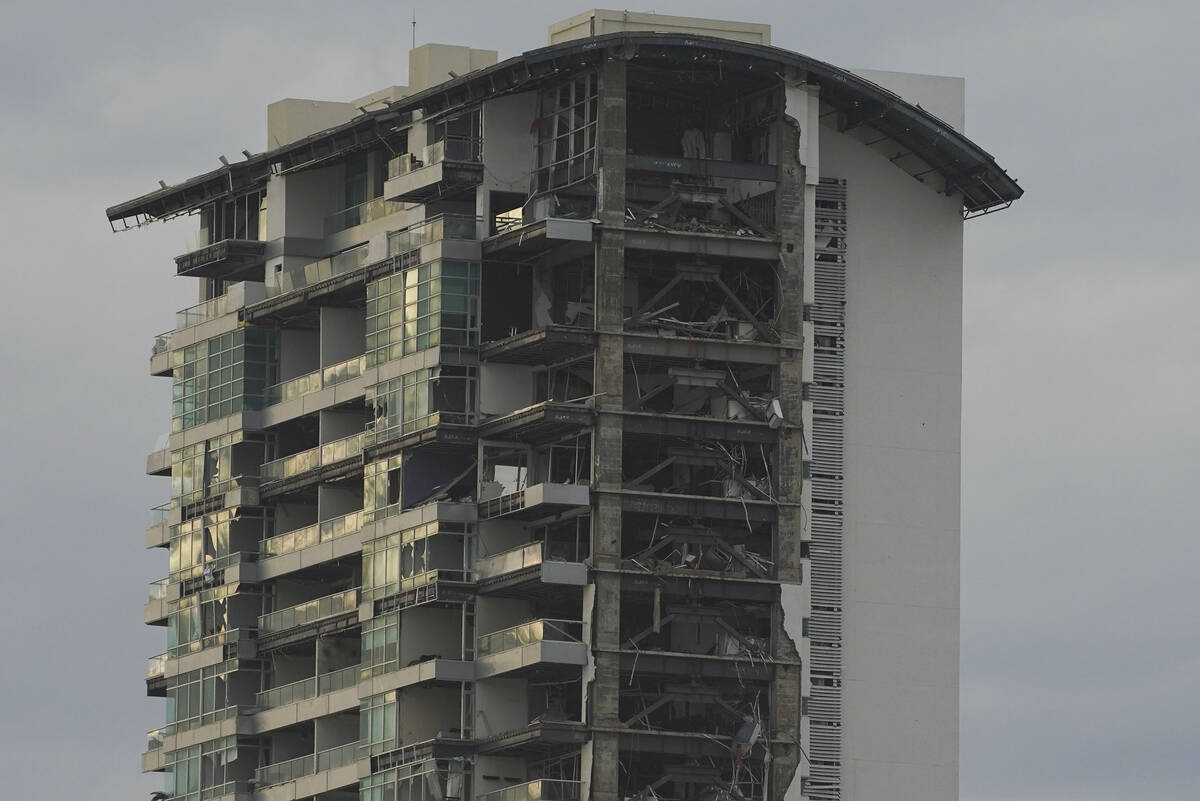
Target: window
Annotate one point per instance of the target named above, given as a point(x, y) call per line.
point(423, 398)
point(221, 376)
point(566, 147)
point(423, 307)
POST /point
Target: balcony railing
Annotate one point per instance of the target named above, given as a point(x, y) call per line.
point(509, 561)
point(211, 641)
point(536, 790)
point(306, 765)
point(293, 278)
point(435, 229)
point(202, 312)
point(313, 458)
point(534, 631)
point(225, 713)
point(156, 666)
point(209, 567)
point(324, 531)
point(309, 612)
point(422, 579)
point(162, 344)
point(160, 514)
point(316, 380)
point(158, 589)
point(378, 435)
point(308, 688)
point(363, 213)
point(154, 739)
point(453, 148)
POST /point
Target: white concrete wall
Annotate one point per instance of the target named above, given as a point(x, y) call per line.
point(431, 64)
point(601, 21)
point(504, 388)
point(343, 334)
point(500, 705)
point(940, 95)
point(902, 445)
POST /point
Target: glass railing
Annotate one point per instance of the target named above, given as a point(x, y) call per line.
point(156, 666)
point(509, 561)
point(210, 641)
point(453, 148)
point(308, 688)
point(309, 611)
point(324, 531)
point(306, 765)
point(160, 514)
point(154, 739)
point(215, 489)
point(212, 565)
point(158, 589)
point(162, 344)
point(313, 458)
point(293, 278)
point(316, 380)
point(529, 633)
point(536, 790)
point(361, 214)
point(222, 790)
point(435, 229)
point(202, 312)
point(224, 713)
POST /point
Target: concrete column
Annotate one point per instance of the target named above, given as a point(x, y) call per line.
point(787, 687)
point(609, 384)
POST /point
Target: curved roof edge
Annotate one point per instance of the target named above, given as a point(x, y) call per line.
point(966, 166)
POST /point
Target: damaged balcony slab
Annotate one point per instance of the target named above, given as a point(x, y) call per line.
point(702, 243)
point(550, 345)
point(696, 506)
point(449, 436)
point(669, 665)
point(699, 428)
point(440, 587)
point(676, 743)
point(669, 348)
point(703, 168)
point(539, 739)
point(440, 747)
point(539, 423)
point(229, 260)
point(528, 242)
point(332, 291)
point(708, 584)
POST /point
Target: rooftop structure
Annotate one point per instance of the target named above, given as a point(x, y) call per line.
point(583, 426)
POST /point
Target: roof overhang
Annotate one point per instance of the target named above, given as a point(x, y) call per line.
point(966, 167)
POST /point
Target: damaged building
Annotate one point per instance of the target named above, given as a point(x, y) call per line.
point(583, 425)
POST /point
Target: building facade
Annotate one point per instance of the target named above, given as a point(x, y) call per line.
point(583, 425)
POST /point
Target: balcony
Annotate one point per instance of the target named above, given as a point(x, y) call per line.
point(528, 241)
point(443, 227)
point(315, 381)
point(314, 459)
point(160, 354)
point(529, 562)
point(539, 346)
point(336, 610)
point(156, 605)
point(308, 688)
point(222, 639)
point(445, 169)
point(538, 500)
point(361, 214)
point(300, 538)
point(230, 260)
point(308, 765)
point(538, 646)
point(291, 279)
point(536, 790)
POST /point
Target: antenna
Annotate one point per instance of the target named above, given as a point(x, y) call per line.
point(414, 24)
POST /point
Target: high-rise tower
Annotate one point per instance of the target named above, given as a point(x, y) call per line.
point(585, 425)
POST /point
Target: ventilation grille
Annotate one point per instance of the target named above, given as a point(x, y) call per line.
point(827, 393)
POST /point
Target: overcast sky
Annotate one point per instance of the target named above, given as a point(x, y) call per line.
point(1081, 440)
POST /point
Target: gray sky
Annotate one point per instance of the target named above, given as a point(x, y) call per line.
point(1080, 658)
